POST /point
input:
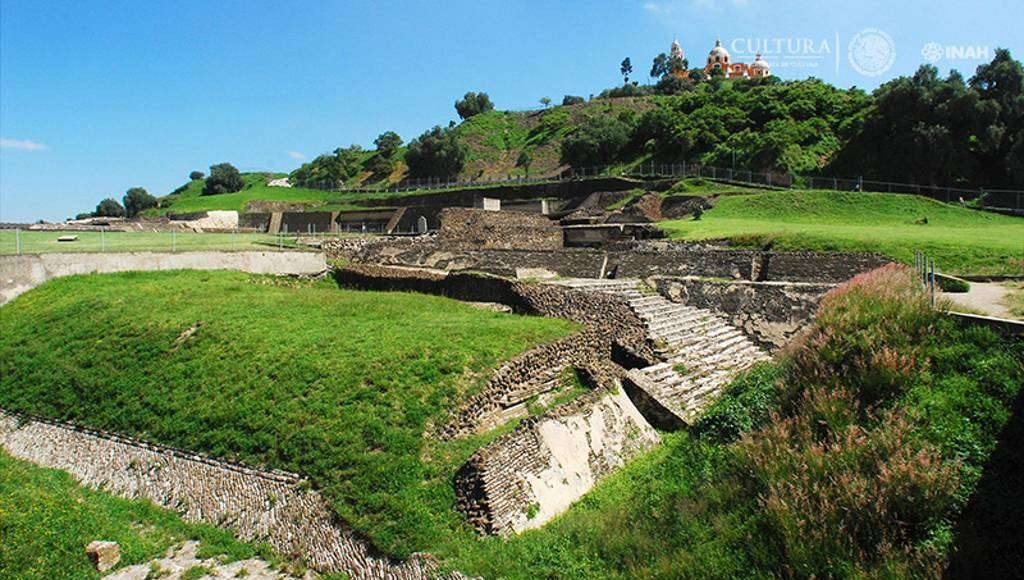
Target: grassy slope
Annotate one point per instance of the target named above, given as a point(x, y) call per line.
point(337, 385)
point(47, 520)
point(962, 241)
point(256, 188)
point(38, 242)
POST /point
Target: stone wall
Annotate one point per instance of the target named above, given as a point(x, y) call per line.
point(636, 260)
point(498, 230)
point(525, 478)
point(258, 505)
point(609, 324)
point(306, 222)
point(770, 313)
point(19, 274)
point(468, 197)
point(257, 221)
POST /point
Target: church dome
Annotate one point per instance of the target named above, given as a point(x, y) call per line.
point(718, 53)
point(759, 63)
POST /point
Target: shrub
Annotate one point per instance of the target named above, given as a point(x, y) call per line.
point(436, 153)
point(196, 175)
point(137, 200)
point(224, 178)
point(952, 284)
point(473, 104)
point(109, 208)
point(568, 100)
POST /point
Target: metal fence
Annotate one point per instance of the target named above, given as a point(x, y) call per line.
point(1008, 199)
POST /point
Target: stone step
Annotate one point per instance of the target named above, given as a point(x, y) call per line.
point(657, 311)
point(696, 335)
point(687, 320)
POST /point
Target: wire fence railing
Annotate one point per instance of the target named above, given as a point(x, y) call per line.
point(986, 197)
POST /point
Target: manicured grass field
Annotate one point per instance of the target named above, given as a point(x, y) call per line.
point(963, 241)
point(47, 520)
point(336, 385)
point(38, 242)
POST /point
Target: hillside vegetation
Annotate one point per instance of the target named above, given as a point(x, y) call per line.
point(963, 241)
point(336, 385)
point(851, 456)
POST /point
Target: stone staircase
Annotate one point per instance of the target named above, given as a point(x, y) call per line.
point(700, 351)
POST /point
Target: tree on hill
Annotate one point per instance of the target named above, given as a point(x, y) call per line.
point(598, 141)
point(224, 178)
point(572, 100)
point(473, 104)
point(546, 101)
point(137, 200)
point(196, 175)
point(387, 144)
point(330, 170)
point(659, 68)
point(436, 153)
point(626, 68)
point(524, 161)
point(109, 208)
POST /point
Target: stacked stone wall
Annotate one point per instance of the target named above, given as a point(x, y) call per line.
point(498, 230)
point(259, 505)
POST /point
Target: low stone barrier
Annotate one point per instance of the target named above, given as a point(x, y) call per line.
point(269, 506)
point(526, 477)
point(18, 274)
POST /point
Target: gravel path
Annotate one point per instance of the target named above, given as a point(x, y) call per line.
point(984, 297)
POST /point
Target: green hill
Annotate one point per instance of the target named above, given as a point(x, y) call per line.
point(963, 241)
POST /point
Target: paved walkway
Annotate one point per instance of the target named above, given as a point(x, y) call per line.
point(986, 297)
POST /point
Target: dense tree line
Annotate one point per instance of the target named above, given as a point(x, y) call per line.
point(943, 131)
point(920, 129)
point(330, 170)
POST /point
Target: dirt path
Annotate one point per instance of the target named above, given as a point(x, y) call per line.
point(984, 297)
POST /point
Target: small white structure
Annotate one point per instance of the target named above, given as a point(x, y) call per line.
point(283, 182)
point(490, 204)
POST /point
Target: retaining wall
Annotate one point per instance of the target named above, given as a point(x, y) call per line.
point(642, 261)
point(770, 313)
point(525, 478)
point(259, 505)
point(19, 274)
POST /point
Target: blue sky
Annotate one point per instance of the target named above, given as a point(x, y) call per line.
point(97, 97)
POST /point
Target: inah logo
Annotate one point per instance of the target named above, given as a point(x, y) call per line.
point(871, 52)
point(932, 52)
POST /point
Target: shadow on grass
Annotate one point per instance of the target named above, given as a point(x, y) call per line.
point(989, 535)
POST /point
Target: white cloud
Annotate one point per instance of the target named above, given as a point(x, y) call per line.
point(296, 155)
point(22, 144)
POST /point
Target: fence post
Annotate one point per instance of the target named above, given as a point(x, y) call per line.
point(174, 241)
point(17, 240)
point(103, 239)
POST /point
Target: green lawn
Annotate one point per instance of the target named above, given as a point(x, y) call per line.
point(334, 384)
point(47, 520)
point(39, 242)
point(963, 241)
